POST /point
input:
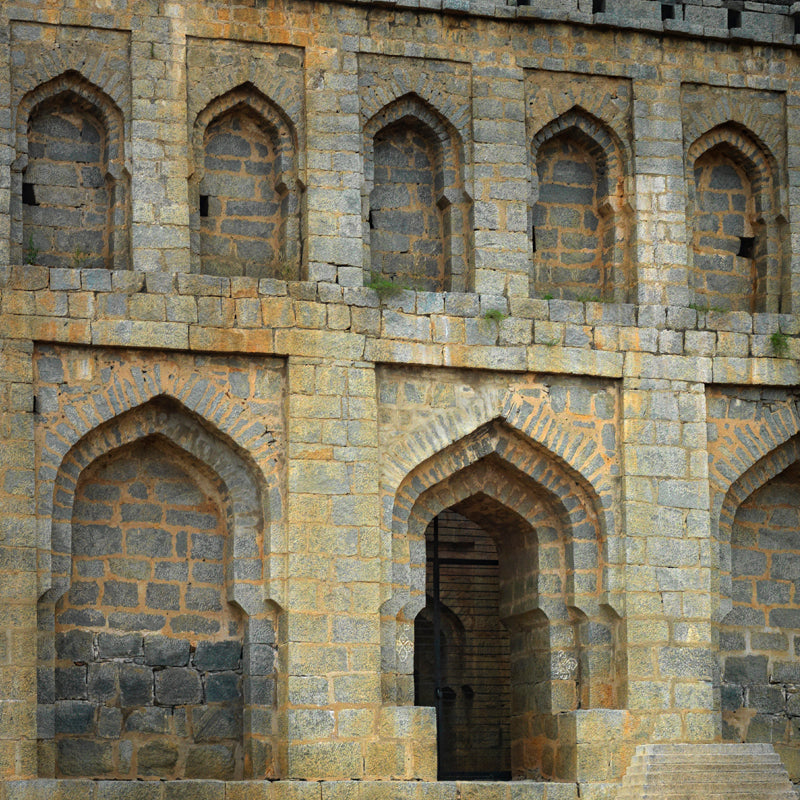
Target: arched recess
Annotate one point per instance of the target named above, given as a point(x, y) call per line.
point(580, 215)
point(70, 204)
point(415, 208)
point(245, 193)
point(737, 258)
point(551, 552)
point(759, 612)
point(186, 686)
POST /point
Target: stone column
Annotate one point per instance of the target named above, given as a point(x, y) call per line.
point(160, 213)
point(335, 172)
point(7, 154)
point(790, 283)
point(18, 588)
point(671, 661)
point(330, 655)
point(501, 183)
point(660, 191)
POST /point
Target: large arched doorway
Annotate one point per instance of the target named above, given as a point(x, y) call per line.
point(523, 635)
point(462, 651)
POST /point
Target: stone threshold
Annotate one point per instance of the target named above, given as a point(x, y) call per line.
point(82, 789)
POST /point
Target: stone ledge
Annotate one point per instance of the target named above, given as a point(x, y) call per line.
point(129, 309)
point(50, 789)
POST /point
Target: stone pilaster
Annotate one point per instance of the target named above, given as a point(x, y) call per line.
point(159, 131)
point(501, 182)
point(671, 662)
point(660, 250)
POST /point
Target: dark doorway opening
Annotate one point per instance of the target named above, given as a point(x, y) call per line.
point(462, 663)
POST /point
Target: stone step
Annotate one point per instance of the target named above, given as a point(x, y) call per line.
point(763, 771)
point(706, 772)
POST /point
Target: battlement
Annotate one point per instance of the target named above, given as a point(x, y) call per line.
point(773, 21)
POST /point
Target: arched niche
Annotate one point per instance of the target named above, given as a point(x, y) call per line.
point(70, 183)
point(415, 208)
point(737, 254)
point(759, 613)
point(580, 216)
point(551, 558)
point(244, 192)
point(156, 490)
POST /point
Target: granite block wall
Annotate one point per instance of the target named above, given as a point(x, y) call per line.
point(225, 436)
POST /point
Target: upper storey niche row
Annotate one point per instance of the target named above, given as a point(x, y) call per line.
point(245, 158)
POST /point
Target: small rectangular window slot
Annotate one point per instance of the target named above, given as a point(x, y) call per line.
point(747, 246)
point(29, 195)
point(734, 18)
point(796, 20)
point(371, 221)
point(533, 239)
point(203, 205)
point(667, 11)
point(598, 6)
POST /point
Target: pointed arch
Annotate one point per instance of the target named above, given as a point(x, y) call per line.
point(167, 419)
point(537, 476)
point(534, 420)
point(251, 227)
point(232, 559)
point(66, 92)
point(546, 520)
point(580, 183)
point(748, 482)
point(432, 250)
point(737, 257)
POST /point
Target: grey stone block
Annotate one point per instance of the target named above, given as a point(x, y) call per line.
point(214, 723)
point(103, 682)
point(223, 686)
point(745, 669)
point(135, 685)
point(74, 646)
point(77, 757)
point(119, 646)
point(109, 722)
point(74, 716)
point(218, 656)
point(164, 651)
point(157, 758)
point(70, 683)
point(176, 686)
point(210, 761)
point(148, 720)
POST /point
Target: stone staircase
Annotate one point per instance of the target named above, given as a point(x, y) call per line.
point(706, 772)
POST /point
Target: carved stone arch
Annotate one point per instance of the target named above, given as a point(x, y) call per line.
point(545, 520)
point(533, 419)
point(750, 152)
point(412, 106)
point(450, 195)
point(764, 221)
point(613, 159)
point(278, 128)
point(539, 468)
point(203, 398)
point(71, 84)
point(210, 458)
point(277, 124)
point(749, 481)
point(165, 418)
point(611, 150)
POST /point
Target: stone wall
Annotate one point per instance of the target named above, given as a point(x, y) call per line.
point(303, 278)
